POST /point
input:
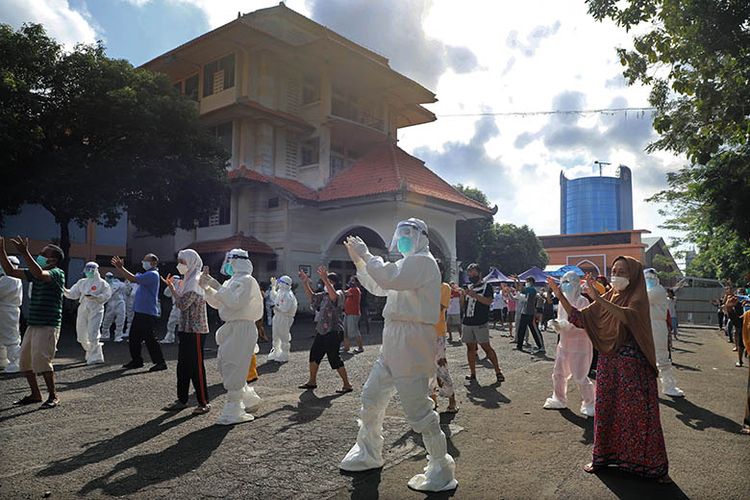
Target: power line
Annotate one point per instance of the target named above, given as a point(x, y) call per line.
point(604, 111)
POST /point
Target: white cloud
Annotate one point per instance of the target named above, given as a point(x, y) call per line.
point(64, 23)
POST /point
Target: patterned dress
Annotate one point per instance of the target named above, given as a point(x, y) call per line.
point(627, 426)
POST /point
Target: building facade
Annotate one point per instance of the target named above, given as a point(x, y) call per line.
point(311, 120)
point(596, 204)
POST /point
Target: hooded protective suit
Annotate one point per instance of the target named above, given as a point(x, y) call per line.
point(658, 304)
point(92, 292)
point(574, 352)
point(114, 311)
point(11, 297)
point(130, 289)
point(407, 356)
point(240, 305)
point(284, 309)
point(174, 315)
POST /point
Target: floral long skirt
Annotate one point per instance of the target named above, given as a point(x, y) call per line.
point(627, 427)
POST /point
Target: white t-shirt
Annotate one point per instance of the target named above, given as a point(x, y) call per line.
point(454, 306)
point(498, 302)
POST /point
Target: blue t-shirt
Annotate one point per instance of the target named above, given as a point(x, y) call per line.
point(147, 293)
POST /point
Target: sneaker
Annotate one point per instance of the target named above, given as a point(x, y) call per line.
point(359, 350)
point(158, 368)
point(541, 352)
point(132, 365)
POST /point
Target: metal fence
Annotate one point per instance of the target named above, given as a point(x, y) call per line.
point(694, 297)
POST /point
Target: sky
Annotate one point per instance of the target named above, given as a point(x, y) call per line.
point(479, 56)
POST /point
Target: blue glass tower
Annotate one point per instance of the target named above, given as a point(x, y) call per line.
point(596, 204)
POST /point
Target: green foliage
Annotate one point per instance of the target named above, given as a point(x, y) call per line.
point(695, 56)
point(510, 248)
point(87, 137)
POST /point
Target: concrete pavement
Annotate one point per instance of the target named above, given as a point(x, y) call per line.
point(109, 437)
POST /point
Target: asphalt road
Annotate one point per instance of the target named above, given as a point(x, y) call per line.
point(109, 437)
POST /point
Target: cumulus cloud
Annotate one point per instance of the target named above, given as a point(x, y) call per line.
point(533, 39)
point(67, 25)
point(394, 29)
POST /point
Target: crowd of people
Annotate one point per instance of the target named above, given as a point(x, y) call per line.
point(613, 338)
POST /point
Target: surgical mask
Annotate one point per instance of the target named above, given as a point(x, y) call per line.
point(182, 269)
point(619, 283)
point(529, 284)
point(41, 260)
point(228, 270)
point(89, 274)
point(405, 245)
point(651, 283)
point(146, 265)
point(566, 287)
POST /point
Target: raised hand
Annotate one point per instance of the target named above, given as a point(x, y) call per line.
point(303, 276)
point(323, 273)
point(592, 289)
point(553, 286)
point(22, 244)
point(117, 262)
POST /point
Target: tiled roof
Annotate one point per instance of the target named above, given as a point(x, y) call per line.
point(239, 240)
point(386, 168)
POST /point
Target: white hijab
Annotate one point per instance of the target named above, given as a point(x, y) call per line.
point(195, 265)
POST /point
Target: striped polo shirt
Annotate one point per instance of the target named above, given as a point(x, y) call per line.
point(46, 304)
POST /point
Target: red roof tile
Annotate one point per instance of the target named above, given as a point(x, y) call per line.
point(239, 240)
point(384, 169)
point(388, 169)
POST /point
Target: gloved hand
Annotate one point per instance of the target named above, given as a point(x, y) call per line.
point(357, 248)
point(206, 281)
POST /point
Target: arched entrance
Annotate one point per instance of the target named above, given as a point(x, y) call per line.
point(337, 258)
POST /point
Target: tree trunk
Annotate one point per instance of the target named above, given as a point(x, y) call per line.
point(65, 243)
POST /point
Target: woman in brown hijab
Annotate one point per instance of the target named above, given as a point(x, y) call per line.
point(627, 427)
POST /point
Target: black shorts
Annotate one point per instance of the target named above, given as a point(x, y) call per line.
point(327, 345)
point(497, 314)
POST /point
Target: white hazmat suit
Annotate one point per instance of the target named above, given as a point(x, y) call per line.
point(284, 309)
point(114, 310)
point(240, 304)
point(574, 352)
point(11, 297)
point(407, 355)
point(92, 292)
point(174, 315)
point(658, 304)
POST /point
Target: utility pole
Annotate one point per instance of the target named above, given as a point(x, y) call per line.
point(601, 164)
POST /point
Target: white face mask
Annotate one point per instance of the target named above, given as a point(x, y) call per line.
point(619, 283)
point(146, 265)
point(182, 269)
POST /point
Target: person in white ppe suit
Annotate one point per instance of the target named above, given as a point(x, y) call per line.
point(174, 314)
point(574, 352)
point(114, 309)
point(92, 292)
point(284, 309)
point(130, 289)
point(240, 305)
point(407, 355)
point(658, 303)
point(11, 297)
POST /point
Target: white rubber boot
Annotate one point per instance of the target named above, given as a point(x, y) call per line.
point(367, 452)
point(552, 403)
point(95, 355)
point(668, 383)
point(233, 411)
point(439, 474)
point(4, 361)
point(14, 356)
point(250, 399)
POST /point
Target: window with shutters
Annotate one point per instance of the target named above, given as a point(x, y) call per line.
point(310, 151)
point(292, 95)
point(292, 155)
point(218, 75)
point(220, 217)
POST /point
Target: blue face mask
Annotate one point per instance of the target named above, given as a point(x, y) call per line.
point(650, 283)
point(566, 287)
point(404, 245)
point(41, 260)
point(228, 269)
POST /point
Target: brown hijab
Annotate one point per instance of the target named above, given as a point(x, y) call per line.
point(607, 332)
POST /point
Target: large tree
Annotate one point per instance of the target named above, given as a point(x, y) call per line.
point(695, 56)
point(89, 137)
point(470, 233)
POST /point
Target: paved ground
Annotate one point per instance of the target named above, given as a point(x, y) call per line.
point(109, 437)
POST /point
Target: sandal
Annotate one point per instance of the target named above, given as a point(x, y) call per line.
point(590, 468)
point(665, 479)
point(745, 430)
point(307, 386)
point(470, 377)
point(27, 400)
point(500, 377)
point(202, 409)
point(50, 403)
point(452, 410)
point(345, 390)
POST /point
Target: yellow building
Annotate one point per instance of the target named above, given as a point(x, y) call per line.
point(312, 121)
